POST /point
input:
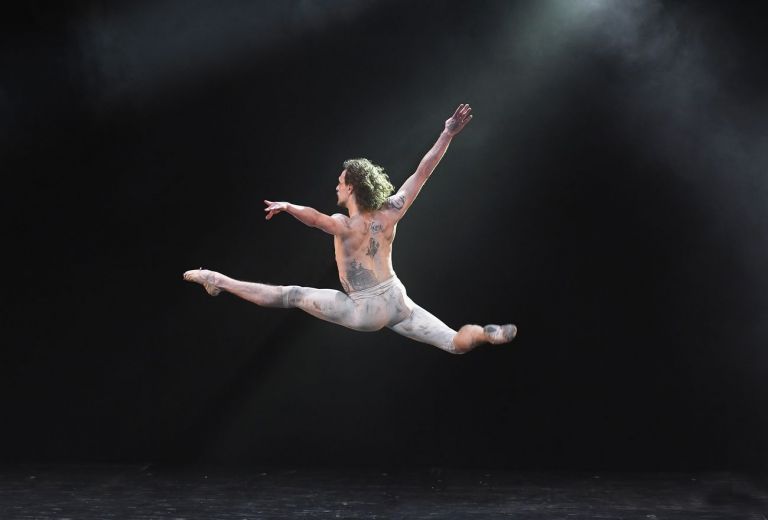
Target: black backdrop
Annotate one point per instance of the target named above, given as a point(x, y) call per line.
point(609, 197)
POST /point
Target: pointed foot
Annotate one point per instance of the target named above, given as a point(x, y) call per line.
point(500, 334)
point(205, 278)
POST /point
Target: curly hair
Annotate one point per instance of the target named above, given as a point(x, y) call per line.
point(369, 183)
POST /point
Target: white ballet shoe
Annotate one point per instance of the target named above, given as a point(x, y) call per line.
point(498, 334)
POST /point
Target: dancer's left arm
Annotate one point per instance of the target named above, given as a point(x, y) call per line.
point(399, 203)
point(331, 224)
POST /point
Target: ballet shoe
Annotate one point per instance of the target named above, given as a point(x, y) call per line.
point(498, 334)
point(196, 276)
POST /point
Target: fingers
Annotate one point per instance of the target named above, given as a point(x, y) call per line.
point(463, 110)
point(466, 116)
point(462, 115)
point(273, 208)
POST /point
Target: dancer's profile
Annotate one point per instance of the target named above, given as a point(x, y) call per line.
point(375, 298)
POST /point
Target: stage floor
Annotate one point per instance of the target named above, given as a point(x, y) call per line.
point(34, 491)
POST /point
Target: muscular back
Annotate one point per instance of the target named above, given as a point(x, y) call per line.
point(364, 249)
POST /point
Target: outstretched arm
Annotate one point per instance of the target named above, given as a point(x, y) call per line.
point(402, 200)
point(332, 225)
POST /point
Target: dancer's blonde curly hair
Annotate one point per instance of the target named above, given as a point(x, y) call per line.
point(369, 182)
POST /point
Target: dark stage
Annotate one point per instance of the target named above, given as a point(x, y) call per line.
point(609, 197)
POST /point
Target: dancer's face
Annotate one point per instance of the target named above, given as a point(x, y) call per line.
point(343, 190)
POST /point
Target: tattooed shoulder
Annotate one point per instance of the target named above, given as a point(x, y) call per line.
point(396, 201)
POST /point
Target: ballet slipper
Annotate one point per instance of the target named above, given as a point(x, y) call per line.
point(498, 334)
point(197, 276)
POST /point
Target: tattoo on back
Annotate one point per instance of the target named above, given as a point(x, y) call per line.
point(359, 277)
point(373, 246)
point(396, 201)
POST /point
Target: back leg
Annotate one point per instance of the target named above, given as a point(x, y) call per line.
point(426, 328)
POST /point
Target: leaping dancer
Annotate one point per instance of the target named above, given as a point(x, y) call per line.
point(375, 298)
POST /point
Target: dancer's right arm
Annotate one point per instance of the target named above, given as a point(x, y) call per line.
point(333, 225)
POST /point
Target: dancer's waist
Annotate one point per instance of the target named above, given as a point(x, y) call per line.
point(375, 290)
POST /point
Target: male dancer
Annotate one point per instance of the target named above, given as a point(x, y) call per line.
point(375, 298)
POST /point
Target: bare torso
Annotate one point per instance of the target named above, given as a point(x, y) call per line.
point(364, 250)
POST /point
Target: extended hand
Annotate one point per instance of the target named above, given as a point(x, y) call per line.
point(274, 208)
point(459, 119)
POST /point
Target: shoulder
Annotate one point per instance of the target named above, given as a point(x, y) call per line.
point(382, 219)
point(394, 206)
point(394, 202)
point(342, 222)
point(340, 217)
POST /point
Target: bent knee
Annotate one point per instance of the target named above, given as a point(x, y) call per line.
point(292, 295)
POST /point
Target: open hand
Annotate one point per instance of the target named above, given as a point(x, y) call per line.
point(274, 208)
point(459, 119)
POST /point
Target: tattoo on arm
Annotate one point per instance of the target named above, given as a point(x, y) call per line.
point(396, 201)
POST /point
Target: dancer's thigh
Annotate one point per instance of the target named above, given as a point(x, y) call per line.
point(326, 304)
point(385, 309)
point(425, 327)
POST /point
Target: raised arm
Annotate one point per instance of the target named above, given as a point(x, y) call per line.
point(402, 200)
point(333, 224)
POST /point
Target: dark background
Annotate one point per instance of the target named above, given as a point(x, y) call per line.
point(609, 197)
